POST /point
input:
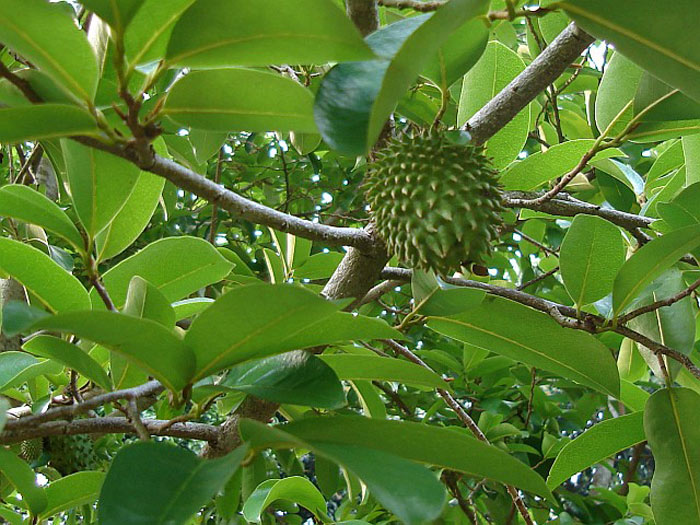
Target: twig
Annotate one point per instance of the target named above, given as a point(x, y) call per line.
point(136, 421)
point(152, 388)
point(537, 243)
point(660, 303)
point(539, 278)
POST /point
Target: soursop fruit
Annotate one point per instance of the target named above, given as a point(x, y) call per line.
point(31, 449)
point(436, 203)
point(71, 454)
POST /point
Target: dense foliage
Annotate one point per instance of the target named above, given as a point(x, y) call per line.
point(202, 324)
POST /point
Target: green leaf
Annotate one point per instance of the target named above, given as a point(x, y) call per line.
point(150, 483)
point(660, 103)
point(46, 36)
point(410, 491)
point(654, 39)
point(633, 396)
point(682, 210)
point(146, 38)
point(145, 301)
point(260, 320)
point(542, 167)
point(534, 338)
point(144, 342)
point(691, 152)
point(22, 477)
point(12, 365)
point(674, 325)
point(68, 355)
point(44, 121)
point(100, 184)
point(458, 54)
point(294, 489)
point(263, 102)
point(28, 205)
point(4, 406)
point(177, 266)
point(416, 442)
point(599, 442)
point(367, 367)
point(494, 71)
point(630, 362)
point(673, 431)
point(117, 14)
point(191, 307)
point(296, 378)
point(355, 99)
point(44, 278)
point(132, 218)
point(617, 89)
point(221, 33)
point(591, 255)
point(72, 491)
point(650, 261)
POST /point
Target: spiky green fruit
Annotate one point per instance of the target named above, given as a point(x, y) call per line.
point(31, 449)
point(435, 203)
point(71, 454)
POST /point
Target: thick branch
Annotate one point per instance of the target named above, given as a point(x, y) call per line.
point(150, 389)
point(363, 14)
point(103, 425)
point(542, 72)
point(567, 206)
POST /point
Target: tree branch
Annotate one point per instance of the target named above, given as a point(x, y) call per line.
point(150, 389)
point(542, 72)
point(103, 425)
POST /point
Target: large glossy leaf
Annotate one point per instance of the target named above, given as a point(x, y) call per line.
point(177, 266)
point(591, 255)
point(542, 167)
point(260, 320)
point(672, 427)
point(599, 442)
point(146, 38)
point(43, 277)
point(355, 99)
point(529, 336)
point(146, 301)
point(220, 33)
point(653, 37)
point(73, 491)
point(100, 184)
point(150, 483)
point(264, 101)
point(296, 378)
point(22, 477)
point(673, 325)
point(367, 367)
point(410, 491)
point(650, 262)
point(458, 450)
point(494, 71)
point(46, 36)
point(458, 55)
point(295, 489)
point(132, 219)
point(44, 121)
point(615, 93)
point(145, 343)
point(28, 205)
point(68, 355)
